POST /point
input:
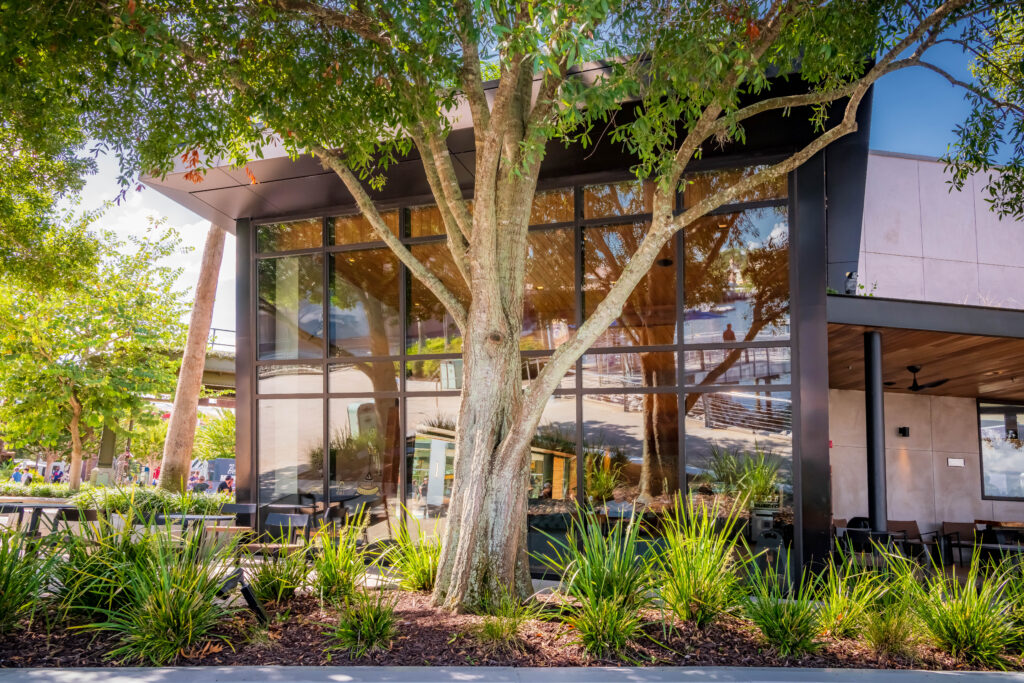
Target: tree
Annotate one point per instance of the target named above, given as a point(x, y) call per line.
point(75, 360)
point(362, 85)
point(215, 437)
point(181, 432)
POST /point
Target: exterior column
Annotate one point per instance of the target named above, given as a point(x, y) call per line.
point(874, 404)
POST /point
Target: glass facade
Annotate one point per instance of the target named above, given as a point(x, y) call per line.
point(1002, 451)
point(697, 364)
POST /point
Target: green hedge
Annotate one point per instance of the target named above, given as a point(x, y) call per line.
point(36, 490)
point(147, 501)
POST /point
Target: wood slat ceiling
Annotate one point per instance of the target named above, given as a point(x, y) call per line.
point(984, 367)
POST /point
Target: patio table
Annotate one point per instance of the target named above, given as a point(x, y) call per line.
point(187, 519)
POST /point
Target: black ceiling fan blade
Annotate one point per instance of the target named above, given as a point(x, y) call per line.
point(936, 383)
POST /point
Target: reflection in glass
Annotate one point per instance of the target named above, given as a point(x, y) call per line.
point(629, 370)
point(1002, 455)
point(425, 221)
point(553, 459)
point(627, 198)
point(306, 234)
point(430, 328)
point(290, 318)
point(738, 366)
point(739, 451)
point(549, 298)
point(291, 452)
point(289, 379)
point(737, 277)
point(532, 366)
point(649, 316)
point(365, 446)
point(364, 303)
point(631, 446)
point(363, 377)
point(553, 206)
point(700, 186)
point(355, 229)
point(430, 448)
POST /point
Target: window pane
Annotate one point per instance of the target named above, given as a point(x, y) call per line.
point(739, 448)
point(431, 329)
point(738, 366)
point(430, 446)
point(364, 303)
point(629, 370)
point(363, 377)
point(425, 221)
point(289, 379)
point(532, 365)
point(617, 199)
point(549, 298)
point(737, 277)
point(434, 375)
point(702, 185)
point(649, 316)
point(290, 318)
point(291, 451)
point(306, 234)
point(632, 451)
point(363, 469)
point(553, 483)
point(553, 206)
point(1002, 456)
point(355, 229)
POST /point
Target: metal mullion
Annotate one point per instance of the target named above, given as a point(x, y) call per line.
point(746, 206)
point(421, 394)
point(325, 402)
point(403, 325)
point(291, 252)
point(564, 225)
point(424, 239)
point(757, 344)
point(290, 395)
point(286, 361)
point(432, 356)
point(724, 388)
point(578, 383)
point(605, 391)
point(617, 220)
point(364, 394)
point(352, 360)
point(613, 350)
point(357, 246)
point(682, 485)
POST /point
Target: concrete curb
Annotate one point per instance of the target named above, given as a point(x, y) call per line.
point(385, 674)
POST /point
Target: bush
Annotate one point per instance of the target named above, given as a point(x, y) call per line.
point(147, 502)
point(24, 573)
point(366, 624)
point(846, 593)
point(971, 620)
point(416, 562)
point(171, 605)
point(504, 616)
point(339, 563)
point(698, 569)
point(38, 489)
point(609, 579)
point(280, 575)
point(890, 629)
point(786, 615)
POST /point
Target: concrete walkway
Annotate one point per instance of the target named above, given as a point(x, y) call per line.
point(355, 674)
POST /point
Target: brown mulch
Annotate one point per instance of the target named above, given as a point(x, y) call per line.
point(297, 635)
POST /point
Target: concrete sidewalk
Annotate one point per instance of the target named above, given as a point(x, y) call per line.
point(467, 674)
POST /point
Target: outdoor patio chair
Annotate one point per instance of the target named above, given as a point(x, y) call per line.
point(930, 545)
point(962, 535)
point(860, 538)
point(239, 510)
point(281, 530)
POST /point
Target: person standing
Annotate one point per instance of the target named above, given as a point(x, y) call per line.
point(227, 486)
point(17, 475)
point(728, 335)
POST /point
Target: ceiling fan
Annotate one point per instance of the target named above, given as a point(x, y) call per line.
point(915, 386)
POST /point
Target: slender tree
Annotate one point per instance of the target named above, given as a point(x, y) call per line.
point(362, 85)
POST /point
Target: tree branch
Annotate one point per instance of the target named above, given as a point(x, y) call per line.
point(353, 21)
point(471, 76)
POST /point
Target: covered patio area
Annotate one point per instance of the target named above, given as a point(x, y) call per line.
point(932, 447)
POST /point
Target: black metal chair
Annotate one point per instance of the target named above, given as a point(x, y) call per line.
point(282, 528)
point(240, 510)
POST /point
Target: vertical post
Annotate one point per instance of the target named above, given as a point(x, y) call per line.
point(875, 417)
point(246, 466)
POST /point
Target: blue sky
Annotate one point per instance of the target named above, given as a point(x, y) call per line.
point(914, 112)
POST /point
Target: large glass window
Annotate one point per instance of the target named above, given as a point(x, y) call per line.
point(289, 379)
point(430, 329)
point(355, 229)
point(306, 234)
point(291, 454)
point(737, 277)
point(1002, 452)
point(364, 303)
point(290, 314)
point(549, 297)
point(430, 448)
point(628, 198)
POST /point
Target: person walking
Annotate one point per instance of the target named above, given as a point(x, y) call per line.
point(17, 475)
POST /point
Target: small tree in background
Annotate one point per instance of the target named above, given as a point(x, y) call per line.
point(76, 359)
point(215, 437)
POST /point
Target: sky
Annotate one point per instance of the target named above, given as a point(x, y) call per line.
point(914, 112)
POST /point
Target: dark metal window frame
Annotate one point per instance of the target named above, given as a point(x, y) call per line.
point(999, 407)
point(578, 226)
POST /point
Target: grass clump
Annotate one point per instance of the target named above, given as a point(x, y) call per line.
point(786, 614)
point(25, 570)
point(366, 624)
point(501, 628)
point(278, 576)
point(339, 561)
point(171, 605)
point(609, 580)
point(697, 572)
point(416, 562)
point(847, 593)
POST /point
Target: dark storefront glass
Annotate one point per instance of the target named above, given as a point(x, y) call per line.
point(629, 370)
point(365, 446)
point(305, 234)
point(552, 206)
point(737, 277)
point(290, 315)
point(363, 309)
point(430, 327)
point(549, 298)
point(627, 198)
point(355, 229)
point(1002, 454)
point(737, 366)
point(291, 452)
point(289, 379)
point(649, 316)
point(363, 377)
point(699, 186)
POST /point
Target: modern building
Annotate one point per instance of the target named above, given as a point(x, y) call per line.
point(741, 343)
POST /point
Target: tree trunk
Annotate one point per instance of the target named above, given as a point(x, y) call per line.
point(181, 430)
point(75, 475)
point(484, 549)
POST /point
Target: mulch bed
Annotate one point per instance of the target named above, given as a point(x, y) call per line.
point(428, 636)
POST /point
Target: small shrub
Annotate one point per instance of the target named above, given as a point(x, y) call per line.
point(890, 629)
point(786, 615)
point(171, 605)
point(417, 562)
point(604, 626)
point(24, 573)
point(971, 620)
point(339, 563)
point(601, 482)
point(759, 476)
point(366, 624)
point(277, 577)
point(698, 569)
point(147, 502)
point(504, 616)
point(846, 593)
